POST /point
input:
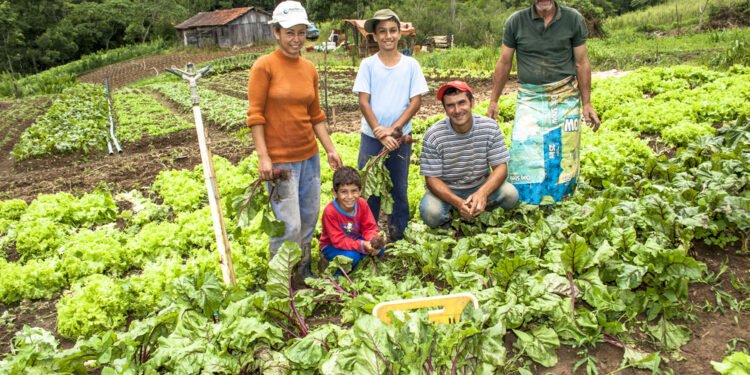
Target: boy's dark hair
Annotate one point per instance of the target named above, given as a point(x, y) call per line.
point(394, 19)
point(454, 91)
point(346, 176)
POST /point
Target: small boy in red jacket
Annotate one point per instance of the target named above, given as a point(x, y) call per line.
point(348, 224)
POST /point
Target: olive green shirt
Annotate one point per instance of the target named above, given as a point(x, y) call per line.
point(545, 54)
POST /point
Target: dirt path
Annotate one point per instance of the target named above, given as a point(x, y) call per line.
point(135, 168)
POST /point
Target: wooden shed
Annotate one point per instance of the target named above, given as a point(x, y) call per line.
point(364, 43)
point(226, 28)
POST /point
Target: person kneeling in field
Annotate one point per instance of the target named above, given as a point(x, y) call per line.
point(349, 229)
point(457, 154)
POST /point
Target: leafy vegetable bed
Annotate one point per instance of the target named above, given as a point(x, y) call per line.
point(610, 263)
point(17, 115)
point(76, 121)
point(139, 114)
point(224, 110)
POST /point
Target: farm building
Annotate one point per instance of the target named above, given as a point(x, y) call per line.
point(226, 28)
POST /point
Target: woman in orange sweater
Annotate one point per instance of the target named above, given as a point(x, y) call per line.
point(285, 117)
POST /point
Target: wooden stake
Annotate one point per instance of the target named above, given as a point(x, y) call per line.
point(214, 200)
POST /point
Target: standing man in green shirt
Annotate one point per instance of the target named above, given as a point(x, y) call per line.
point(554, 98)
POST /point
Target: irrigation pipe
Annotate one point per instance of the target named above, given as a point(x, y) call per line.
point(109, 145)
point(111, 122)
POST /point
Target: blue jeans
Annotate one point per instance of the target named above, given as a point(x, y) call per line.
point(331, 252)
point(397, 164)
point(298, 203)
point(435, 212)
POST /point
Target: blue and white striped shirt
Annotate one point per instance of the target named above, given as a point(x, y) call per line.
point(463, 160)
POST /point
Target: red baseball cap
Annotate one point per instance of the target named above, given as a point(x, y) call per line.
point(460, 85)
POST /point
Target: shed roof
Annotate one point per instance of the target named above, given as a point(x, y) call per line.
point(216, 18)
point(407, 28)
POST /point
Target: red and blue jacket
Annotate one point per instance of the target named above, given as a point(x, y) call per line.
point(348, 231)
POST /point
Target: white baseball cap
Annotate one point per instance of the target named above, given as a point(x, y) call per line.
point(289, 13)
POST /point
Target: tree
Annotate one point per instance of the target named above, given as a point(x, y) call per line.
point(39, 34)
point(11, 38)
point(34, 17)
point(594, 11)
point(624, 6)
point(56, 47)
point(702, 8)
point(157, 14)
point(95, 25)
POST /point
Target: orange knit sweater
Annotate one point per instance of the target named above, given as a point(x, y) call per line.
point(283, 96)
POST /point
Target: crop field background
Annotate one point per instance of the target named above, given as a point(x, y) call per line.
point(108, 262)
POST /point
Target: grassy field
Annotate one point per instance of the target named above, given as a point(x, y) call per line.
point(629, 50)
point(670, 15)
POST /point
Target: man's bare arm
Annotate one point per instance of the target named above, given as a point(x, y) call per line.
point(500, 78)
point(583, 75)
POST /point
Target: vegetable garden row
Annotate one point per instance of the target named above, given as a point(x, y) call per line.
point(141, 291)
point(77, 120)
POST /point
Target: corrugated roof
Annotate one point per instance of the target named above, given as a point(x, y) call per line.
point(215, 18)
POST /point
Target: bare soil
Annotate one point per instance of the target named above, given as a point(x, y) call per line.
point(140, 162)
point(41, 314)
point(135, 168)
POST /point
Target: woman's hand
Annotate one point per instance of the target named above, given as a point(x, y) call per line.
point(334, 160)
point(265, 168)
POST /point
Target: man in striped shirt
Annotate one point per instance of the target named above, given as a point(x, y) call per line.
point(464, 161)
